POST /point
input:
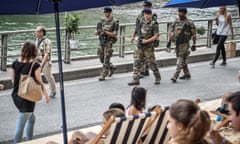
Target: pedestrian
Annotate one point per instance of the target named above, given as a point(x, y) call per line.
point(234, 116)
point(187, 124)
point(138, 101)
point(25, 107)
point(149, 32)
point(107, 30)
point(44, 57)
point(181, 32)
point(140, 19)
point(80, 138)
point(224, 25)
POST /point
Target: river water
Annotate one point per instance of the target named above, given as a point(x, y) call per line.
point(125, 14)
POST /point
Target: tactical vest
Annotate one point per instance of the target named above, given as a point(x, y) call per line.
point(110, 25)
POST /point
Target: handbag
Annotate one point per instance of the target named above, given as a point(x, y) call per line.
point(29, 89)
point(215, 37)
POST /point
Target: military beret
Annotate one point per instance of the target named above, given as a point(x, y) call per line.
point(182, 10)
point(107, 9)
point(147, 11)
point(147, 3)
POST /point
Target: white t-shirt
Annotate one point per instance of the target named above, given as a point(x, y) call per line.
point(223, 26)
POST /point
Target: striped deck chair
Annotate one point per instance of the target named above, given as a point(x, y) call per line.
point(158, 132)
point(126, 130)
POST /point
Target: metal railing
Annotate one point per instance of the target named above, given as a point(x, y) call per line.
point(11, 41)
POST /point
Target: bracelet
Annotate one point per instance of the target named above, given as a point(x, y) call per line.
point(224, 140)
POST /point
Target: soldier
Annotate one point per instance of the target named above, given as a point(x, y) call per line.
point(140, 18)
point(149, 33)
point(44, 46)
point(107, 30)
point(181, 32)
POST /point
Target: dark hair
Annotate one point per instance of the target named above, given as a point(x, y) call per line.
point(117, 105)
point(196, 122)
point(138, 97)
point(113, 112)
point(29, 51)
point(234, 99)
point(42, 29)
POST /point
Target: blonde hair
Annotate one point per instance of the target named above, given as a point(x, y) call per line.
point(196, 122)
point(225, 13)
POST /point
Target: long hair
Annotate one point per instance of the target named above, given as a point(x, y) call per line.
point(196, 122)
point(138, 98)
point(225, 14)
point(29, 51)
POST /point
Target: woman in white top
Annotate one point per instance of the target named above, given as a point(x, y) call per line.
point(224, 25)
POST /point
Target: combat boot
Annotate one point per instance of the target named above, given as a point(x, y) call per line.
point(157, 81)
point(134, 82)
point(173, 79)
point(185, 77)
point(101, 78)
point(111, 71)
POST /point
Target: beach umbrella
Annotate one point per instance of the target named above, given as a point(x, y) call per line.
point(16, 7)
point(199, 3)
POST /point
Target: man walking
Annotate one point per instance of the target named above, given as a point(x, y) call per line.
point(107, 30)
point(146, 5)
point(148, 32)
point(181, 32)
point(44, 46)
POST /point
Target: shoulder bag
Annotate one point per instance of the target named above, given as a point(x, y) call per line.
point(215, 38)
point(29, 89)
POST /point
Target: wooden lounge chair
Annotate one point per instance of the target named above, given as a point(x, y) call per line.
point(126, 130)
point(224, 121)
point(158, 132)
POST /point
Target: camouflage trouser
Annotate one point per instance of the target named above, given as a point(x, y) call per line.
point(181, 64)
point(140, 57)
point(105, 53)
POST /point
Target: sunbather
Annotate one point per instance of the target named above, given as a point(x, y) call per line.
point(187, 123)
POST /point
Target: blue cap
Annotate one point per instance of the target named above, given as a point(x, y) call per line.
point(147, 3)
point(107, 9)
point(147, 11)
point(182, 10)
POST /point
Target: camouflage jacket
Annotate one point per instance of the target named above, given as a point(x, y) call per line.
point(111, 25)
point(177, 27)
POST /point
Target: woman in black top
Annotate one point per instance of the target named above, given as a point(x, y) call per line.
point(25, 107)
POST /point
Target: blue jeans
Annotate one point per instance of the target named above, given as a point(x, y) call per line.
point(24, 118)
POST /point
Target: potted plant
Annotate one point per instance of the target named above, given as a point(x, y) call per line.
point(201, 30)
point(72, 23)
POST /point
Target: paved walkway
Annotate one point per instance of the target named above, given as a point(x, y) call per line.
point(87, 98)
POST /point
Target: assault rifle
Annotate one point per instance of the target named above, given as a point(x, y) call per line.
point(103, 37)
point(181, 38)
point(139, 34)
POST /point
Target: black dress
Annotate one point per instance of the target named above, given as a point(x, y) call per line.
point(22, 68)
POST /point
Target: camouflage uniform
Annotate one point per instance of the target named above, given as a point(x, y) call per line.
point(105, 50)
point(146, 52)
point(140, 19)
point(182, 49)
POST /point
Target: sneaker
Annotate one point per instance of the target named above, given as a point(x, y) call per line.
point(111, 71)
point(52, 95)
point(102, 78)
point(223, 64)
point(212, 64)
point(185, 77)
point(134, 82)
point(173, 80)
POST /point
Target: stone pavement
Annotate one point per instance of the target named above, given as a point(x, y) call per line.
point(87, 98)
point(91, 67)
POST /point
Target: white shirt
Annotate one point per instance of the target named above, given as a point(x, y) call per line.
point(223, 26)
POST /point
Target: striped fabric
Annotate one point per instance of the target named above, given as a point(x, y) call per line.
point(128, 130)
point(158, 132)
